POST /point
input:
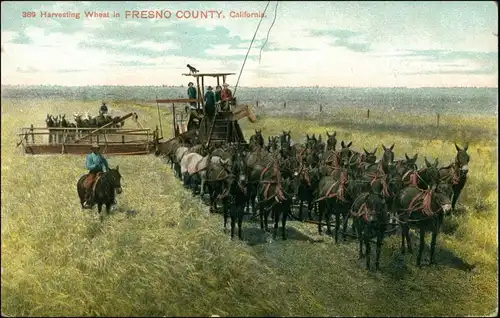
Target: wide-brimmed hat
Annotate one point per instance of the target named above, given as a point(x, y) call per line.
point(225, 84)
point(95, 146)
point(209, 88)
point(190, 83)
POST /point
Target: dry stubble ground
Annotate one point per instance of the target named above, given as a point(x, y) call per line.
point(172, 258)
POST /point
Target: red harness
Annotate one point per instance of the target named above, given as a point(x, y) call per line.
point(422, 202)
point(279, 195)
point(341, 189)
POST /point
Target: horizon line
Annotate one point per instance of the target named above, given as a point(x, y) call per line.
point(314, 86)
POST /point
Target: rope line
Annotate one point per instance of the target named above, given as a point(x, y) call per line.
point(249, 48)
point(269, 30)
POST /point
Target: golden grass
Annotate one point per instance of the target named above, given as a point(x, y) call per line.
point(172, 258)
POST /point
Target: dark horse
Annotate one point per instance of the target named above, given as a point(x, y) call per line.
point(425, 210)
point(104, 189)
point(236, 188)
point(456, 173)
point(371, 219)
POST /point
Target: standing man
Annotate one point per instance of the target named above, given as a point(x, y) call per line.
point(95, 163)
point(192, 94)
point(210, 102)
point(218, 91)
point(226, 96)
point(104, 109)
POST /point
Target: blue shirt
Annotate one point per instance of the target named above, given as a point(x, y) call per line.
point(96, 162)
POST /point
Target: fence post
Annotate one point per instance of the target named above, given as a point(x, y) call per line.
point(32, 134)
point(284, 104)
point(320, 108)
point(368, 113)
point(438, 120)
point(257, 104)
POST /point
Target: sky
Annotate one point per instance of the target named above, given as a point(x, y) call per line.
point(329, 44)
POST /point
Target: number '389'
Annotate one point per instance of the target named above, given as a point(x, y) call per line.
point(28, 14)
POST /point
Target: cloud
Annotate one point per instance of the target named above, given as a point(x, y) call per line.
point(319, 43)
point(344, 38)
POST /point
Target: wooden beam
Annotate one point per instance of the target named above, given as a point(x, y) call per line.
point(198, 88)
point(202, 97)
point(107, 125)
point(176, 100)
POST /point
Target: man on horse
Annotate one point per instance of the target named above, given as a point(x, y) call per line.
point(95, 163)
point(104, 109)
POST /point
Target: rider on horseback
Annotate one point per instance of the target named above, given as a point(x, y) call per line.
point(95, 163)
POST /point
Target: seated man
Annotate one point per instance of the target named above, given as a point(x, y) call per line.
point(95, 163)
point(226, 97)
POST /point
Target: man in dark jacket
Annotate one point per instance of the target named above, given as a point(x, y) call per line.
point(210, 102)
point(191, 94)
point(104, 109)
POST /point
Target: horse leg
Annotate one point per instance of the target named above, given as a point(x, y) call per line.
point(253, 198)
point(241, 212)
point(403, 239)
point(310, 207)
point(284, 217)
point(320, 216)
point(225, 209)
point(368, 250)
point(261, 216)
point(328, 216)
point(409, 245)
point(202, 190)
point(380, 239)
point(433, 243)
point(276, 215)
point(345, 220)
point(99, 211)
point(232, 212)
point(421, 246)
point(337, 225)
point(108, 208)
point(267, 210)
point(456, 193)
point(300, 210)
point(359, 228)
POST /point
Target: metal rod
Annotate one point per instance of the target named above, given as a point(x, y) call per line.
point(159, 117)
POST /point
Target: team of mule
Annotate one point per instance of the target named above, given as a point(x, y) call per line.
point(339, 182)
point(62, 130)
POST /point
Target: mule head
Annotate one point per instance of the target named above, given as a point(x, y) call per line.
point(388, 155)
point(462, 158)
point(411, 163)
point(345, 153)
point(331, 142)
point(431, 165)
point(443, 193)
point(370, 157)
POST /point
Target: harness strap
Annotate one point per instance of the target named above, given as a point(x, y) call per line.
point(425, 196)
point(340, 191)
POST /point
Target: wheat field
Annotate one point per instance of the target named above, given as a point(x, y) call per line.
point(172, 258)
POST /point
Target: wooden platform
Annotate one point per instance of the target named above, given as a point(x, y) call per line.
point(113, 141)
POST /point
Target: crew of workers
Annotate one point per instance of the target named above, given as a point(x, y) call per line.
point(221, 98)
